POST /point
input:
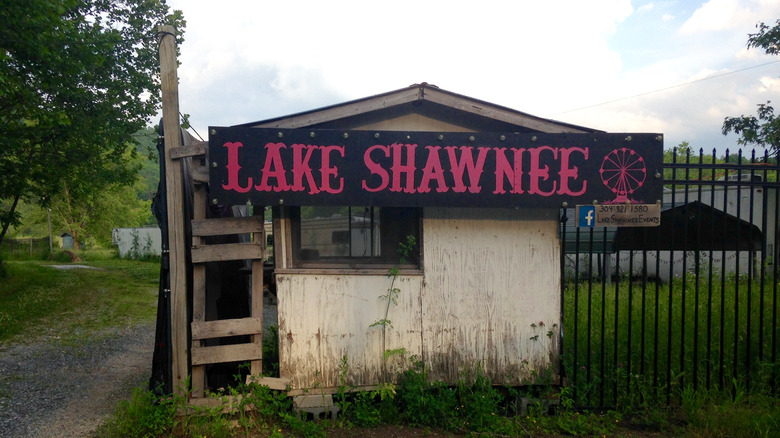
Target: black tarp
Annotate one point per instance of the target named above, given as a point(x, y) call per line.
point(161, 380)
point(694, 225)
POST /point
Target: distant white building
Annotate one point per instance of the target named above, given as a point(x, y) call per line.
point(137, 242)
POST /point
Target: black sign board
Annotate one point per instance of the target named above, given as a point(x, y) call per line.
point(415, 169)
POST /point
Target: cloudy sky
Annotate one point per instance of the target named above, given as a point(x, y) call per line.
point(677, 67)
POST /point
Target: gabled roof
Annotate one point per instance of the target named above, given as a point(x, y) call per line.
point(425, 100)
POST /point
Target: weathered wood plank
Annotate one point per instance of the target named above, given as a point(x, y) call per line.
point(196, 149)
point(275, 383)
point(226, 327)
point(228, 251)
point(198, 290)
point(257, 306)
point(226, 353)
point(227, 225)
point(169, 83)
point(198, 314)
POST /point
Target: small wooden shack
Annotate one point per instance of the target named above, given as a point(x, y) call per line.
point(476, 273)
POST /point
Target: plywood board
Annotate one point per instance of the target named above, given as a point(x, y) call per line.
point(227, 251)
point(491, 295)
point(226, 327)
point(227, 225)
point(325, 318)
point(225, 353)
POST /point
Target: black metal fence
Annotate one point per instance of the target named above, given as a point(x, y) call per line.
point(650, 314)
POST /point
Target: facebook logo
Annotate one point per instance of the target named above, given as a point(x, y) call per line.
point(586, 215)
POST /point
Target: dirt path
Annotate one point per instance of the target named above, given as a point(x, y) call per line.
point(47, 389)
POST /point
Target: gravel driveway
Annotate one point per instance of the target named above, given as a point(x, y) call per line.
point(47, 389)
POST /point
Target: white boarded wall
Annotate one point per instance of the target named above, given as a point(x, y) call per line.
point(488, 276)
point(323, 318)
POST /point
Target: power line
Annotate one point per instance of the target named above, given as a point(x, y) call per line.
point(667, 88)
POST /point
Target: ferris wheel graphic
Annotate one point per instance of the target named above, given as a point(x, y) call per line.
point(623, 171)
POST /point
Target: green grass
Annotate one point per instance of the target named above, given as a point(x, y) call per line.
point(41, 301)
point(655, 339)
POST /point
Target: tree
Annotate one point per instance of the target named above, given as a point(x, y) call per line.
point(764, 130)
point(77, 79)
point(89, 208)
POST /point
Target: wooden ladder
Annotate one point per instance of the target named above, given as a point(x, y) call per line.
point(202, 253)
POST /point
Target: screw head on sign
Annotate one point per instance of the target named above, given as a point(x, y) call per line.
point(502, 137)
point(214, 201)
point(214, 164)
point(280, 134)
point(659, 138)
point(533, 138)
point(628, 138)
point(213, 132)
point(376, 135)
point(564, 204)
point(346, 135)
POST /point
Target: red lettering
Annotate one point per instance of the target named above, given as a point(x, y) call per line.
point(233, 167)
point(273, 168)
point(376, 168)
point(433, 171)
point(538, 173)
point(570, 172)
point(398, 169)
point(329, 171)
point(302, 169)
point(466, 162)
point(503, 170)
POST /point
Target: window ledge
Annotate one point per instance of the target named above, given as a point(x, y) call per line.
point(402, 272)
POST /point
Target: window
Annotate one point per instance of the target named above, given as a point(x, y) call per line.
point(353, 236)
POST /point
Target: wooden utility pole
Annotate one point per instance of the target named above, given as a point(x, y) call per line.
point(173, 179)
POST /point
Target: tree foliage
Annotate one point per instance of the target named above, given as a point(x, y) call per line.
point(764, 130)
point(89, 209)
point(77, 79)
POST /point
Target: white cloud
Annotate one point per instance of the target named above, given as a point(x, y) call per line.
point(719, 15)
point(715, 15)
point(645, 8)
point(247, 61)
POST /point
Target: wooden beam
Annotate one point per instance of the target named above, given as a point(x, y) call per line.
point(227, 225)
point(198, 380)
point(226, 353)
point(226, 327)
point(276, 383)
point(257, 303)
point(196, 149)
point(177, 245)
point(227, 251)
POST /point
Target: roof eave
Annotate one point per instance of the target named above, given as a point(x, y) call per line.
point(418, 92)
